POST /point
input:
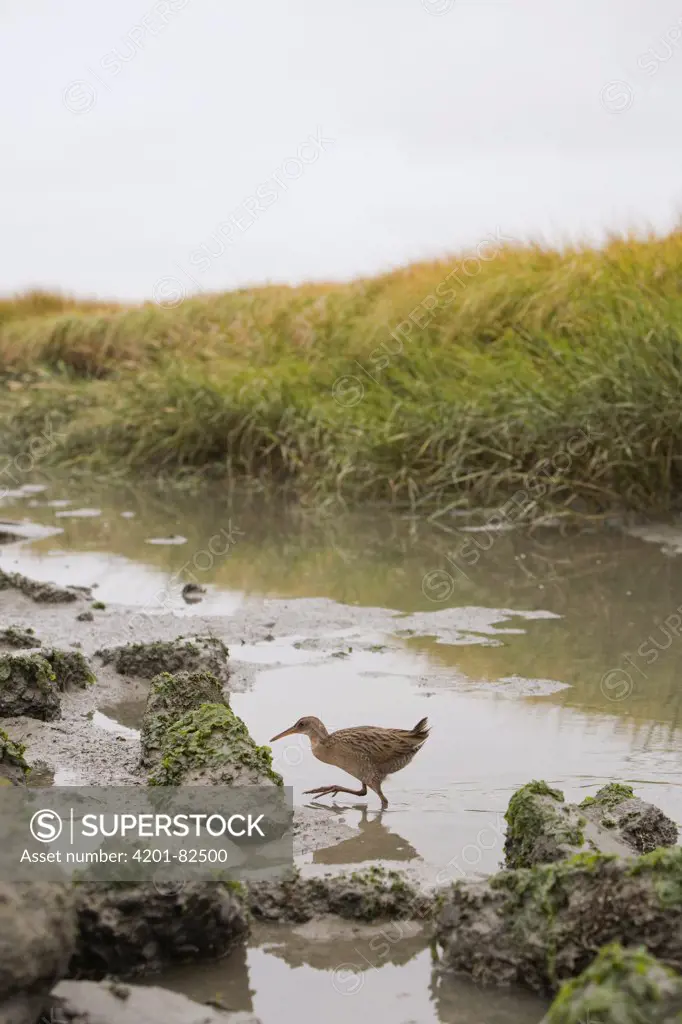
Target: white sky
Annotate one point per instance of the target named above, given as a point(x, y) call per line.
point(446, 127)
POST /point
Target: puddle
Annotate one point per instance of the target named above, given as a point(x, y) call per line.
point(102, 721)
point(340, 971)
point(125, 713)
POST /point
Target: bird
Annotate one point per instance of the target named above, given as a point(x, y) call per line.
point(367, 752)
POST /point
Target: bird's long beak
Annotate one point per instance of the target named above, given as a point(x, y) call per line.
point(287, 732)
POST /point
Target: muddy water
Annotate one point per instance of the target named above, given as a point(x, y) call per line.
point(331, 970)
point(547, 655)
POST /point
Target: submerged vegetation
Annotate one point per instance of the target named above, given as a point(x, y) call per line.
point(516, 373)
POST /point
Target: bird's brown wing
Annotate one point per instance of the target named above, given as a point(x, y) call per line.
point(381, 747)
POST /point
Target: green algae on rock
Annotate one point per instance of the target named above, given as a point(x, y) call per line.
point(540, 926)
point(541, 827)
point(18, 637)
point(170, 697)
point(188, 654)
point(641, 825)
point(211, 746)
point(28, 687)
point(71, 668)
point(12, 763)
point(621, 986)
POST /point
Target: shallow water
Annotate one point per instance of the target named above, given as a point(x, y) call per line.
point(337, 972)
point(547, 655)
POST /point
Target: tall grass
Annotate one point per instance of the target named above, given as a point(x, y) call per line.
point(518, 357)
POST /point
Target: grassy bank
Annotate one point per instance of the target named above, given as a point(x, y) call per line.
point(558, 375)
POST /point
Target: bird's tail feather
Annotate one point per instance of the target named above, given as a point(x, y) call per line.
point(421, 729)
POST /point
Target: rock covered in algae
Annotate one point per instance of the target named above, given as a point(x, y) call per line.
point(13, 767)
point(185, 654)
point(539, 926)
point(641, 825)
point(37, 939)
point(28, 686)
point(211, 746)
point(543, 828)
point(170, 697)
point(621, 986)
point(18, 637)
point(44, 593)
point(129, 928)
point(71, 668)
point(371, 895)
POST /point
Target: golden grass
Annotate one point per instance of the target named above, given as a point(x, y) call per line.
point(334, 390)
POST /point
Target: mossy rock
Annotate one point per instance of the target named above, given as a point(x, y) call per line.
point(212, 746)
point(185, 654)
point(28, 686)
point(18, 637)
point(642, 826)
point(541, 926)
point(12, 763)
point(621, 986)
point(71, 668)
point(171, 696)
point(541, 827)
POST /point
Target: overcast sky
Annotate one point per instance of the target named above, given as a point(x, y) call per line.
point(156, 146)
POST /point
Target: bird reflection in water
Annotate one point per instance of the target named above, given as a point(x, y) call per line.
point(375, 842)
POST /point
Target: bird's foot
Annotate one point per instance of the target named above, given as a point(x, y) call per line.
point(323, 791)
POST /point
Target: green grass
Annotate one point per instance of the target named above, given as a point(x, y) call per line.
point(555, 374)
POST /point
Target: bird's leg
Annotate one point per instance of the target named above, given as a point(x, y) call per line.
point(379, 792)
point(333, 790)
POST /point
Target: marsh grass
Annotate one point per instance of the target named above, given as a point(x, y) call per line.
point(482, 399)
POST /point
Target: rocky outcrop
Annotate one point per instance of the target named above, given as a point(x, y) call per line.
point(17, 637)
point(71, 668)
point(371, 895)
point(37, 938)
point(621, 986)
point(171, 696)
point(640, 825)
point(211, 746)
point(542, 828)
point(541, 926)
point(129, 928)
point(13, 767)
point(39, 591)
point(186, 654)
point(112, 1002)
point(28, 686)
